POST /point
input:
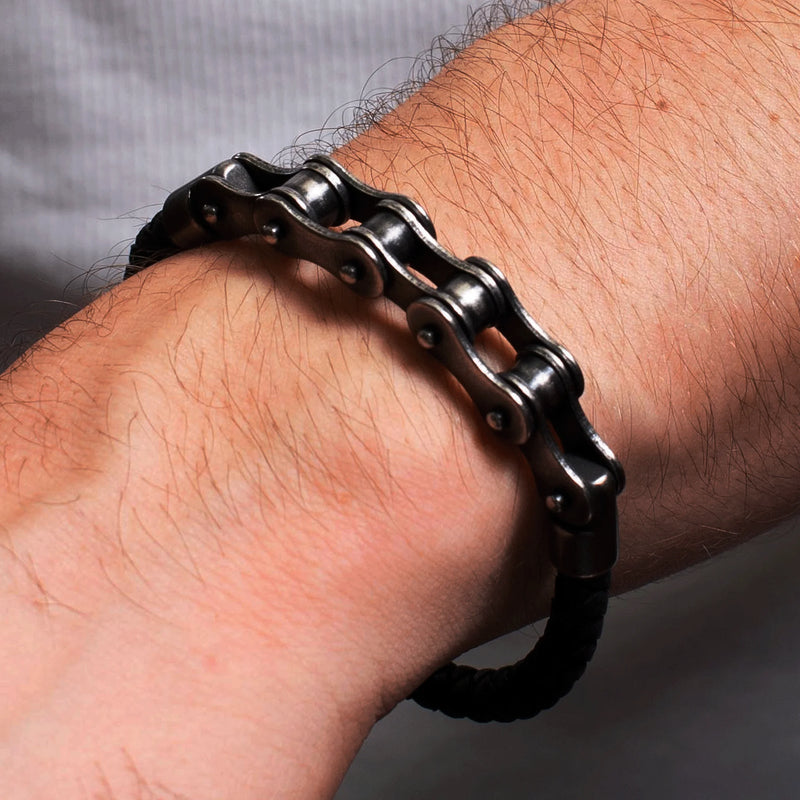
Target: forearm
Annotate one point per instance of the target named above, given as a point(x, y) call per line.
point(240, 453)
point(631, 168)
point(192, 531)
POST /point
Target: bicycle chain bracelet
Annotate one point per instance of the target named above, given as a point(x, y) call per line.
point(534, 404)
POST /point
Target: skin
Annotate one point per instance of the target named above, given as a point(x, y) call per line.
point(243, 515)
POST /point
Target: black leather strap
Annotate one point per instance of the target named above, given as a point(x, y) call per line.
point(539, 680)
point(152, 244)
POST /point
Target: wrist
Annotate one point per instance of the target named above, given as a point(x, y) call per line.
point(239, 502)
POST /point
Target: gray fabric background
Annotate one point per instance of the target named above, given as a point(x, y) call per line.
point(107, 105)
point(104, 107)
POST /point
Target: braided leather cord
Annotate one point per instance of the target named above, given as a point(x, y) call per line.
point(538, 681)
point(152, 244)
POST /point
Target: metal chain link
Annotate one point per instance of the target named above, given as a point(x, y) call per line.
point(448, 302)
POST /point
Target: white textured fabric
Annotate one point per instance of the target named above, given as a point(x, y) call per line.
point(107, 104)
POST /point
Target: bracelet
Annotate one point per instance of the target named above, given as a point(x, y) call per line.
point(533, 405)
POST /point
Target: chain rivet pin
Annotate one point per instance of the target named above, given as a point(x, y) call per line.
point(428, 337)
point(210, 213)
point(350, 273)
point(496, 419)
point(271, 231)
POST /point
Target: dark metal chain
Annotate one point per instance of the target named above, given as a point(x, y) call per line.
point(448, 302)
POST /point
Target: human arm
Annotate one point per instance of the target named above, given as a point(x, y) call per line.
point(228, 506)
